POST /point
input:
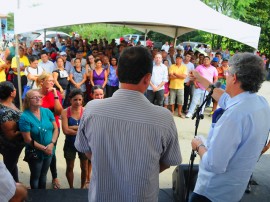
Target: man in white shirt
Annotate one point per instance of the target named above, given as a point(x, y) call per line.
point(45, 63)
point(155, 91)
point(188, 85)
point(166, 46)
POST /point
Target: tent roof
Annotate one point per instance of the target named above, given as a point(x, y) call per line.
point(182, 16)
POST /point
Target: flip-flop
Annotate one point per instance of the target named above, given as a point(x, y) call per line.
point(181, 116)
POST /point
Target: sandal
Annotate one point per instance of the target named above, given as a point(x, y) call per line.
point(56, 184)
point(181, 116)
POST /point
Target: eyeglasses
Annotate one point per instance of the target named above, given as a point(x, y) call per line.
point(36, 97)
point(95, 52)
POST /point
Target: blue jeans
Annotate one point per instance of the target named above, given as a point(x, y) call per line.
point(39, 169)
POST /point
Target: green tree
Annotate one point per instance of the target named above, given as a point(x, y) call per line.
point(10, 21)
point(97, 31)
point(258, 14)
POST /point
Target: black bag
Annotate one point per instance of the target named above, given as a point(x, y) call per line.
point(31, 153)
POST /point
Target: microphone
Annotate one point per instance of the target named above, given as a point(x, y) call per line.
point(217, 84)
point(213, 86)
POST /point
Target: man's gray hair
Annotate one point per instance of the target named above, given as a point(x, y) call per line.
point(249, 70)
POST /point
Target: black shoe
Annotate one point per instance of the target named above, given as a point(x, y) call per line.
point(248, 189)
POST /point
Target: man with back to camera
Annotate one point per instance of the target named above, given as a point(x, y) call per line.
point(9, 189)
point(236, 140)
point(138, 141)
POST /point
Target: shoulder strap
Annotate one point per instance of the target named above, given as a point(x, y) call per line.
point(68, 112)
point(27, 69)
point(81, 113)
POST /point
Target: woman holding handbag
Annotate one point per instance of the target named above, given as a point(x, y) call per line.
point(11, 141)
point(40, 132)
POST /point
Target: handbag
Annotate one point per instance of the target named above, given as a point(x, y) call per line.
point(27, 88)
point(30, 153)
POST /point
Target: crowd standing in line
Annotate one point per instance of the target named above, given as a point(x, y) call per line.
point(61, 68)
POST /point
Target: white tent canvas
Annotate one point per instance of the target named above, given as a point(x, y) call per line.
point(179, 17)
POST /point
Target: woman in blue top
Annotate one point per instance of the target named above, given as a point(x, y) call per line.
point(70, 123)
point(113, 82)
point(40, 132)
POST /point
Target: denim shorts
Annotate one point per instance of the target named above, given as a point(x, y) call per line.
point(70, 152)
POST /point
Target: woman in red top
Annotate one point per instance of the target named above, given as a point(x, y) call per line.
point(52, 100)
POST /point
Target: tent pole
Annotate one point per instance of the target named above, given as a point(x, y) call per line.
point(18, 63)
point(44, 40)
point(145, 34)
point(18, 70)
point(175, 37)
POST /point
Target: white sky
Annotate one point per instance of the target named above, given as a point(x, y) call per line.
point(7, 6)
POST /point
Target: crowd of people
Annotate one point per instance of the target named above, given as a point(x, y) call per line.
point(65, 75)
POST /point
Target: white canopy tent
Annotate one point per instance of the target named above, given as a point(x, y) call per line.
point(182, 16)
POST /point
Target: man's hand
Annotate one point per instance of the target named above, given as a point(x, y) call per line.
point(195, 143)
point(155, 89)
point(194, 75)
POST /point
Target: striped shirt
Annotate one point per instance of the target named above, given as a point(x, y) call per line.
point(128, 138)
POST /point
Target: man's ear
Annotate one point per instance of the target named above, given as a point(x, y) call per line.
point(147, 78)
point(235, 78)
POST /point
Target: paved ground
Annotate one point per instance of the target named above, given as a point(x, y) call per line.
point(261, 192)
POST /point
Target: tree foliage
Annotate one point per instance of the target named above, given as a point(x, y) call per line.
point(97, 31)
point(258, 14)
point(10, 21)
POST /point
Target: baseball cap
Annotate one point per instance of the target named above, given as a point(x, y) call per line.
point(53, 55)
point(215, 59)
point(179, 56)
point(63, 53)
